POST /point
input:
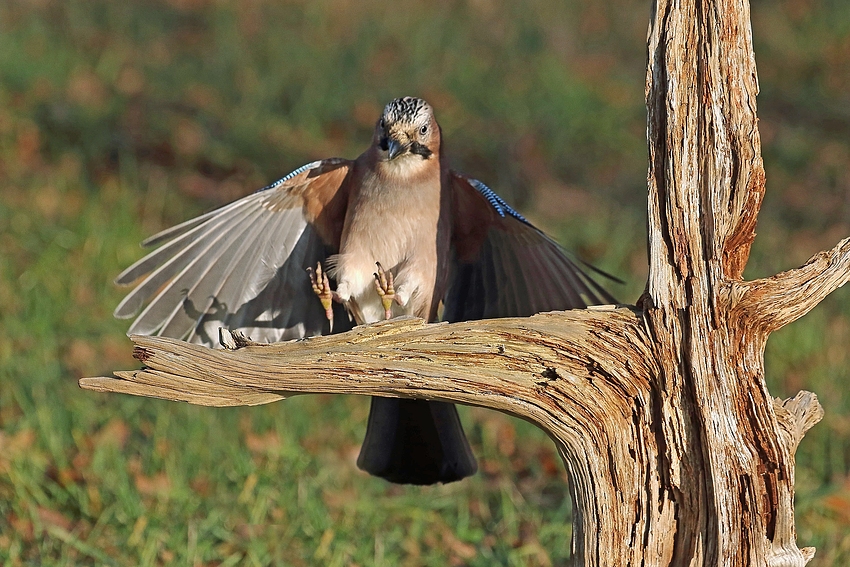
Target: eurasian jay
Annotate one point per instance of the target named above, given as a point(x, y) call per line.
point(399, 233)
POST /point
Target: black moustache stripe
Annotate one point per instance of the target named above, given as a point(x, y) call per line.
point(419, 149)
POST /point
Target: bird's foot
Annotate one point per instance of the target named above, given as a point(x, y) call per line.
point(322, 288)
point(385, 287)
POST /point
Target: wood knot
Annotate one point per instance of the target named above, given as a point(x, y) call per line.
point(548, 375)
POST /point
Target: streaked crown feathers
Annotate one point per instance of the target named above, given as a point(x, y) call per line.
point(406, 109)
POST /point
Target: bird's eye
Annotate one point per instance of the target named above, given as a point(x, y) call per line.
point(383, 124)
point(423, 130)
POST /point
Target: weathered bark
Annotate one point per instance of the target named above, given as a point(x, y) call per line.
point(676, 452)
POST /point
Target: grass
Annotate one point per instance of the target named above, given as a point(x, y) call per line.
point(117, 119)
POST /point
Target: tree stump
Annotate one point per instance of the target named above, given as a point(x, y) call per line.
point(677, 454)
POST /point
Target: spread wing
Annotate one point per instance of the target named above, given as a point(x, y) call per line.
point(243, 266)
point(502, 266)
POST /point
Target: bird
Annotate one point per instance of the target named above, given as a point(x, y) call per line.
point(393, 232)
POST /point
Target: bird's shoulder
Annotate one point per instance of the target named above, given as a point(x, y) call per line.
point(320, 189)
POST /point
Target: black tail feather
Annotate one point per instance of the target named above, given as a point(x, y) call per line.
point(415, 442)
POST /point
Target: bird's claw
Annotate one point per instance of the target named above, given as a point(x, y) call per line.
point(322, 288)
point(384, 285)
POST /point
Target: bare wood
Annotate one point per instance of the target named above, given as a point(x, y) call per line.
point(583, 376)
point(731, 484)
point(797, 415)
point(676, 451)
point(774, 302)
point(511, 357)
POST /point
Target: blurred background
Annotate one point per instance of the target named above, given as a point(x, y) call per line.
point(121, 118)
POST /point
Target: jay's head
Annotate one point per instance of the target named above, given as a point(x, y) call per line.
point(407, 131)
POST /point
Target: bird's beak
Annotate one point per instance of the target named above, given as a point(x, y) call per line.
point(394, 148)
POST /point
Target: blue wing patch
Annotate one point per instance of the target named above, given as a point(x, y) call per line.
point(299, 171)
point(495, 201)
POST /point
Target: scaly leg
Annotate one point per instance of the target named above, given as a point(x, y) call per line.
point(385, 287)
point(322, 288)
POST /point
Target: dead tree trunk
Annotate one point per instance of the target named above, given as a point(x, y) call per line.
point(676, 452)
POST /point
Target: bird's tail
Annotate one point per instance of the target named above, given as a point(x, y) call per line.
point(415, 442)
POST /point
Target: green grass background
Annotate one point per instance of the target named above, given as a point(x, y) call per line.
point(120, 118)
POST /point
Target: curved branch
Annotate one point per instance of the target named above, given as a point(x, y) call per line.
point(498, 363)
point(771, 303)
point(583, 376)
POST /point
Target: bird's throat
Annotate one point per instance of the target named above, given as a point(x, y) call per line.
point(407, 169)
